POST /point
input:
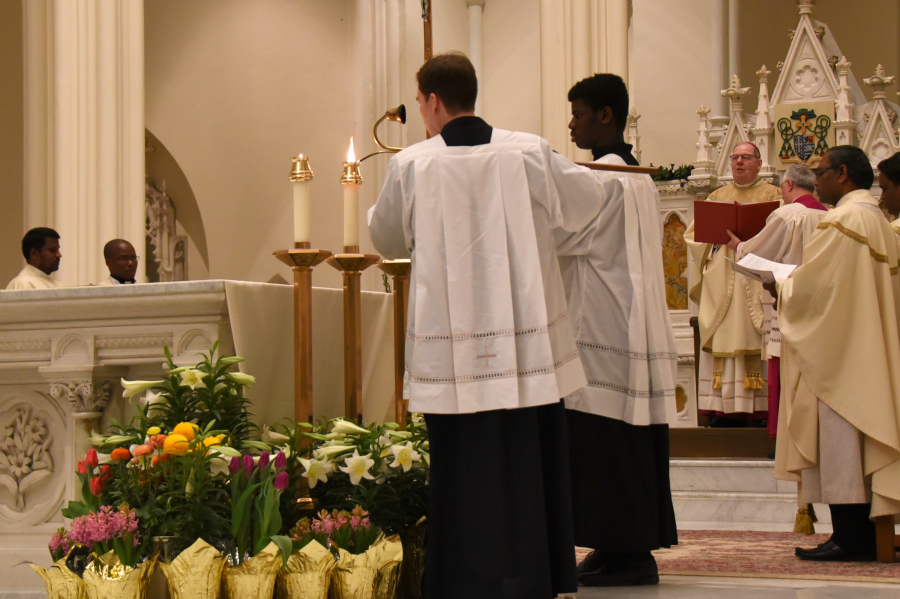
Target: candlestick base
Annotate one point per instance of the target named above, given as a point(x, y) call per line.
point(399, 271)
point(351, 266)
point(302, 261)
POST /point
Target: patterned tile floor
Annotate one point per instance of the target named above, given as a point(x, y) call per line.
point(701, 587)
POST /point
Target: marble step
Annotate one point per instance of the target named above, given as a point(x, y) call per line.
point(733, 492)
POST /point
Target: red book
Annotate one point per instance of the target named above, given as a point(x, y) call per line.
point(711, 219)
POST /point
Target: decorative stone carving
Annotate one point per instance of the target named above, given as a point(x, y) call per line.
point(833, 60)
point(633, 137)
point(169, 249)
point(86, 397)
point(819, 31)
point(25, 345)
point(735, 132)
point(24, 453)
point(878, 141)
point(808, 74)
point(120, 342)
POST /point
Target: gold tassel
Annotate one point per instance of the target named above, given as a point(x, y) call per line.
point(748, 384)
point(717, 380)
point(803, 524)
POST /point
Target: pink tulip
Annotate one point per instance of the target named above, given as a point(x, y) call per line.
point(235, 465)
point(263, 460)
point(281, 481)
point(280, 461)
point(248, 464)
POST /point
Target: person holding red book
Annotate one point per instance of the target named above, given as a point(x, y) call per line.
point(732, 383)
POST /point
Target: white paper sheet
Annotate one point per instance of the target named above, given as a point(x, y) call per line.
point(762, 270)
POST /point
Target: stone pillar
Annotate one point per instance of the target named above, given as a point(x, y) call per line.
point(617, 27)
point(84, 127)
point(476, 17)
point(719, 75)
point(734, 37)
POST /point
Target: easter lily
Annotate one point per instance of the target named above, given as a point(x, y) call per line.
point(191, 377)
point(324, 452)
point(133, 388)
point(348, 428)
point(316, 470)
point(273, 438)
point(404, 456)
point(358, 467)
point(240, 378)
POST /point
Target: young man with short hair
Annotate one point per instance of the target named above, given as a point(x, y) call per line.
point(40, 247)
point(490, 351)
point(618, 431)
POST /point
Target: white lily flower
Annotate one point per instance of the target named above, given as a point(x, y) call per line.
point(218, 465)
point(228, 452)
point(404, 456)
point(232, 359)
point(133, 388)
point(316, 470)
point(96, 439)
point(358, 467)
point(191, 377)
point(152, 398)
point(240, 378)
point(273, 438)
point(332, 450)
point(401, 434)
point(103, 458)
point(385, 440)
point(348, 428)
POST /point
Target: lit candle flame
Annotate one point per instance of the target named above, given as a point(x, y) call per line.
point(351, 156)
point(301, 156)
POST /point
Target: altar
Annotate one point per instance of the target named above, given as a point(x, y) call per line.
point(64, 351)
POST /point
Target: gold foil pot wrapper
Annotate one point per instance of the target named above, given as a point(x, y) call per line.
point(370, 575)
point(255, 578)
point(307, 574)
point(107, 578)
point(196, 573)
point(61, 583)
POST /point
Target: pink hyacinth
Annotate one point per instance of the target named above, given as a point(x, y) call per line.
point(104, 526)
point(60, 539)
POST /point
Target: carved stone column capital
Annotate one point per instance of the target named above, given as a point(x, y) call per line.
point(88, 397)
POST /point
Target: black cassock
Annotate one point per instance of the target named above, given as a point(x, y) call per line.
point(500, 512)
point(622, 500)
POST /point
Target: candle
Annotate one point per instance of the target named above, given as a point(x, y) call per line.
point(301, 175)
point(351, 181)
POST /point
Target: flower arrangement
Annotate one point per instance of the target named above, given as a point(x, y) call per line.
point(60, 544)
point(110, 529)
point(351, 531)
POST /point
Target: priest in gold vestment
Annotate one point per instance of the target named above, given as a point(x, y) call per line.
point(889, 182)
point(730, 317)
point(839, 425)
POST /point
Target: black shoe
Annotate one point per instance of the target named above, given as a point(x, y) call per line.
point(593, 562)
point(757, 423)
point(637, 570)
point(830, 552)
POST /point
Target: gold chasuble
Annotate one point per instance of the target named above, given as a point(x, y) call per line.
point(731, 316)
point(840, 361)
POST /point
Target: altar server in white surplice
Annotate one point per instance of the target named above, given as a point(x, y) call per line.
point(839, 425)
point(787, 230)
point(490, 350)
point(40, 247)
point(618, 431)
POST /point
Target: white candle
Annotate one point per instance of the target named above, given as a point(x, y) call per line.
point(351, 201)
point(351, 214)
point(301, 175)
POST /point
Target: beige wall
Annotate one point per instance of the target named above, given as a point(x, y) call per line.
point(12, 166)
point(234, 89)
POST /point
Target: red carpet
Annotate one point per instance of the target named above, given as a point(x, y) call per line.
point(759, 555)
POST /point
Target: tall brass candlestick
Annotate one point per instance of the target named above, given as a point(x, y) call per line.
point(351, 266)
point(302, 260)
point(399, 271)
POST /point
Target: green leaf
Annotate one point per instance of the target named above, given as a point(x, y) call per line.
point(284, 545)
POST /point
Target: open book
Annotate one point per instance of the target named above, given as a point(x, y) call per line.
point(711, 219)
point(760, 269)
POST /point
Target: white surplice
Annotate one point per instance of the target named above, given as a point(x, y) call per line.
point(617, 301)
point(488, 324)
point(33, 278)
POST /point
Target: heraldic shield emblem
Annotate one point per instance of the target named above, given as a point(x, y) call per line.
point(804, 136)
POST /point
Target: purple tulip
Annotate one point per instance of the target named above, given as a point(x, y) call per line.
point(281, 481)
point(280, 461)
point(235, 465)
point(263, 460)
point(248, 464)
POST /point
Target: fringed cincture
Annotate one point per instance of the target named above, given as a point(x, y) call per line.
point(717, 380)
point(803, 524)
point(753, 380)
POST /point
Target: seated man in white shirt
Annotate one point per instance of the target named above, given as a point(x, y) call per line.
point(122, 262)
point(40, 247)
